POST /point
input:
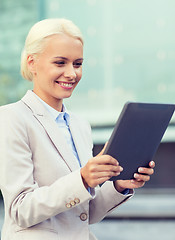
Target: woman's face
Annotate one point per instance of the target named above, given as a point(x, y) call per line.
point(58, 69)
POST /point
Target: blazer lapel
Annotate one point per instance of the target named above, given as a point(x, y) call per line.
point(50, 126)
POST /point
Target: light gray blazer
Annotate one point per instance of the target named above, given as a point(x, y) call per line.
point(40, 180)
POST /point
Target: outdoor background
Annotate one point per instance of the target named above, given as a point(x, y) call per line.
point(129, 56)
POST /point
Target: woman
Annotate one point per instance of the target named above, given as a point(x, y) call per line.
point(48, 177)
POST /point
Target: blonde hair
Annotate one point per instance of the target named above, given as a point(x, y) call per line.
point(39, 33)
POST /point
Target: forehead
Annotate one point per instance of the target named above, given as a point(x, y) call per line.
point(63, 45)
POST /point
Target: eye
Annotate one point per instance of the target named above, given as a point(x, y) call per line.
point(77, 64)
point(60, 63)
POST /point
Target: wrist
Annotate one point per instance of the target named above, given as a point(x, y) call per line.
point(118, 187)
point(84, 181)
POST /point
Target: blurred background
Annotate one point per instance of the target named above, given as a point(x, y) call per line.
point(129, 56)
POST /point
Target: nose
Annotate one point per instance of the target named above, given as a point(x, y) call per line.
point(69, 72)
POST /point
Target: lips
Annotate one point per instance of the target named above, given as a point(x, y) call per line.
point(65, 85)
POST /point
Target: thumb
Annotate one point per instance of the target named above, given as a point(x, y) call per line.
point(102, 151)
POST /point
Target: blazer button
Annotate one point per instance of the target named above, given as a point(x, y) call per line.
point(72, 203)
point(83, 216)
point(77, 200)
point(68, 205)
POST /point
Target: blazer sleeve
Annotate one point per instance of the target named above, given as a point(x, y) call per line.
point(26, 202)
point(106, 199)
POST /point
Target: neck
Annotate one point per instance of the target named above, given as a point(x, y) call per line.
point(55, 103)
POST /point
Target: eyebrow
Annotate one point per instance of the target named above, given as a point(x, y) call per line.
point(64, 58)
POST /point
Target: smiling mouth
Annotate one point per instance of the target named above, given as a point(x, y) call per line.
point(65, 85)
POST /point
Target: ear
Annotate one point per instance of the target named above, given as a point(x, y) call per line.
point(31, 62)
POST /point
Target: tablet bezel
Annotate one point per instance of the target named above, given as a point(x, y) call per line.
point(147, 123)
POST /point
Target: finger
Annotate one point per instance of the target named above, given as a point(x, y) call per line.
point(108, 168)
point(94, 183)
point(102, 151)
point(98, 181)
point(94, 178)
point(131, 184)
point(148, 171)
point(98, 175)
point(140, 177)
point(99, 178)
point(102, 171)
point(136, 184)
point(105, 159)
point(152, 164)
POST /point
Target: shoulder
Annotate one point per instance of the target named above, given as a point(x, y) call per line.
point(9, 109)
point(13, 112)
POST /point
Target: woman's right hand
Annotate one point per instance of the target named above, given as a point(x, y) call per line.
point(100, 169)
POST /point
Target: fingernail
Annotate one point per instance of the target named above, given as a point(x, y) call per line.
point(121, 169)
point(140, 169)
point(152, 163)
point(136, 175)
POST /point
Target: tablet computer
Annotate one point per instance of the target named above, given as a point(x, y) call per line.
point(137, 135)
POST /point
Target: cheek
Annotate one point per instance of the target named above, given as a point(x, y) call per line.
point(79, 75)
point(54, 73)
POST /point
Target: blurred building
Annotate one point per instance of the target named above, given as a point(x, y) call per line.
point(129, 56)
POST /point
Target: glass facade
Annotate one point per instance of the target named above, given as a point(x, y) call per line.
point(129, 51)
point(129, 56)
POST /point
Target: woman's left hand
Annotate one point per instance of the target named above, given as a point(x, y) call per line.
point(139, 180)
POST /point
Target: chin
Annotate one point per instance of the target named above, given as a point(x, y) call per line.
point(66, 96)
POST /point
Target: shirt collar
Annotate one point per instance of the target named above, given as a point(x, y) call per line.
point(54, 113)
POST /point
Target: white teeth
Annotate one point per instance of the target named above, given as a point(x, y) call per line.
point(66, 84)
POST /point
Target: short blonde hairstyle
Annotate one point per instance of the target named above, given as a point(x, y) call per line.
point(39, 33)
